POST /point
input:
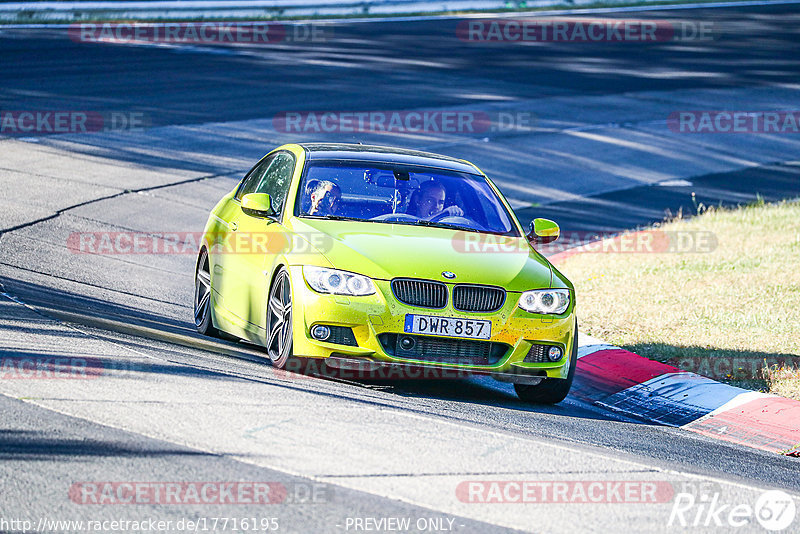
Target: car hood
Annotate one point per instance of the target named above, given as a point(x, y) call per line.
point(386, 251)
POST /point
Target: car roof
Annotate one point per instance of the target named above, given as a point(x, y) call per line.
point(385, 154)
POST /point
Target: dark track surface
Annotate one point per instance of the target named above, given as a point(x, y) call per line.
point(389, 65)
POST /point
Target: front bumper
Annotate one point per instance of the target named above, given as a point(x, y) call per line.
point(513, 328)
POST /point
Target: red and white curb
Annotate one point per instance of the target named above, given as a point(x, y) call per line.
point(624, 382)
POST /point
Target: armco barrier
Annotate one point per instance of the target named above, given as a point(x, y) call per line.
point(67, 11)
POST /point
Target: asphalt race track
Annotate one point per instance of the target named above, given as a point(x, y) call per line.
point(595, 153)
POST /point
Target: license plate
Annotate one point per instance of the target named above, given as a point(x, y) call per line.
point(448, 326)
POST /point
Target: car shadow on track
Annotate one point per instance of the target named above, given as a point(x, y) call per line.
point(45, 298)
point(472, 390)
point(71, 307)
point(38, 445)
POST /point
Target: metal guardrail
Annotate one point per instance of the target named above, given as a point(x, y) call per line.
point(47, 11)
point(75, 11)
point(154, 10)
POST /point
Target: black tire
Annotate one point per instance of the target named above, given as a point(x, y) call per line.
point(551, 390)
point(202, 297)
point(279, 320)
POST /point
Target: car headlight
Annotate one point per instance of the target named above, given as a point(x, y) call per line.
point(337, 282)
point(549, 301)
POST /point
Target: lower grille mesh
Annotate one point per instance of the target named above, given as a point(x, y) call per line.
point(442, 349)
point(342, 335)
point(537, 354)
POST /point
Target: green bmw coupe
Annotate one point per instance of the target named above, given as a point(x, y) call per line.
point(375, 257)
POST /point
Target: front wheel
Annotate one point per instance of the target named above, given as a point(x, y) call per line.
point(202, 297)
point(279, 320)
point(552, 390)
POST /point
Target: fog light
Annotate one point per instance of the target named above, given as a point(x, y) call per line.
point(320, 332)
point(407, 343)
point(554, 354)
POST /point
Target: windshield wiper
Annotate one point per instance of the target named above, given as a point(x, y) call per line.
point(431, 224)
point(333, 217)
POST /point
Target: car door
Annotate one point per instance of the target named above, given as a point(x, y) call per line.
point(227, 284)
point(257, 241)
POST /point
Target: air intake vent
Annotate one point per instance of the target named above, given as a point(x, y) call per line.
point(471, 298)
point(537, 354)
point(422, 293)
point(443, 349)
point(342, 336)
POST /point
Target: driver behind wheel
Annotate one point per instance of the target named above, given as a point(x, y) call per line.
point(428, 202)
point(324, 198)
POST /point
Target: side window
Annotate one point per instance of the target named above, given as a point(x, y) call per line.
point(276, 179)
point(253, 178)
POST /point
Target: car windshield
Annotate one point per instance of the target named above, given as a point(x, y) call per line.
point(397, 194)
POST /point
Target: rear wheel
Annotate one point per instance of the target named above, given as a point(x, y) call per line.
point(279, 320)
point(551, 390)
point(202, 297)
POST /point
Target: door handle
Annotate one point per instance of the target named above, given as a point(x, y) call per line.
point(233, 226)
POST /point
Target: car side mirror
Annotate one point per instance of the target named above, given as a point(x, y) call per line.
point(257, 205)
point(543, 231)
